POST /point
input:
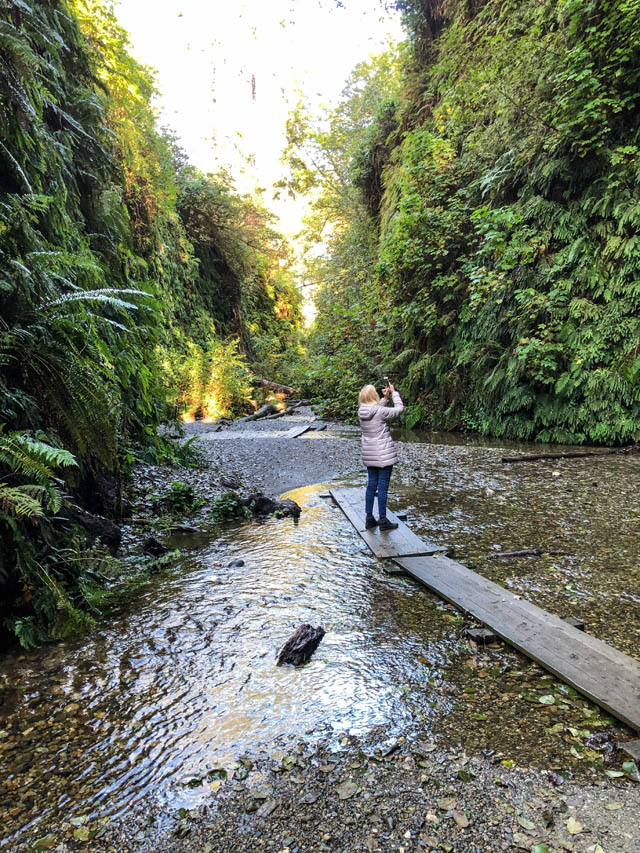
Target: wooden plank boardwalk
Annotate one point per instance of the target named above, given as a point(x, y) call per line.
point(297, 430)
point(402, 542)
point(602, 673)
point(594, 668)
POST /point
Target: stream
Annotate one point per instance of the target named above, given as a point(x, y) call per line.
point(161, 701)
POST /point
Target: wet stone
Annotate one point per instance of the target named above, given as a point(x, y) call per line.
point(480, 635)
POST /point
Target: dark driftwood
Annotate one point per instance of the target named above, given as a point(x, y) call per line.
point(527, 552)
point(573, 454)
point(301, 645)
point(230, 482)
point(223, 422)
point(266, 383)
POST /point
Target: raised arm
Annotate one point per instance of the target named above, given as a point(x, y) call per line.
point(389, 412)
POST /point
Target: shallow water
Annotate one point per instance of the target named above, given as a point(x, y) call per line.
point(158, 700)
point(181, 686)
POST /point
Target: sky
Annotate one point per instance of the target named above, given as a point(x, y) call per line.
point(229, 72)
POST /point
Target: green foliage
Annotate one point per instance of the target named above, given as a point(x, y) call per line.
point(185, 454)
point(40, 600)
point(133, 289)
point(330, 158)
point(210, 382)
point(28, 488)
point(180, 499)
point(229, 505)
point(507, 262)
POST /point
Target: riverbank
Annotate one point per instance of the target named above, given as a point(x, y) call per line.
point(171, 728)
point(405, 796)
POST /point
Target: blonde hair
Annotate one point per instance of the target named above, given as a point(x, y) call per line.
point(368, 395)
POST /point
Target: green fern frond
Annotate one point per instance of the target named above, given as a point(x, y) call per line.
point(17, 501)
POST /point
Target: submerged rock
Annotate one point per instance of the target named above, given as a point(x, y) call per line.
point(154, 548)
point(301, 645)
point(187, 529)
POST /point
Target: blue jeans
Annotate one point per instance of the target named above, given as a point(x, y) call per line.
point(378, 479)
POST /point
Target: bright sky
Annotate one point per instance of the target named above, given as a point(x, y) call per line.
point(230, 70)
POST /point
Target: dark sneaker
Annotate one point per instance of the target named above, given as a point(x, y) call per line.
point(385, 524)
point(371, 522)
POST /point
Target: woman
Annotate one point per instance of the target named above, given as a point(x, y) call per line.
point(378, 449)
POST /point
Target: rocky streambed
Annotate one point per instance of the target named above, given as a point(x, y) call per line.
point(170, 727)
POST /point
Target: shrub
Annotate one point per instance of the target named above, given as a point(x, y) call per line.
point(180, 499)
point(229, 505)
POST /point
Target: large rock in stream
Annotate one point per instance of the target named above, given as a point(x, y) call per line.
point(260, 504)
point(96, 527)
point(301, 645)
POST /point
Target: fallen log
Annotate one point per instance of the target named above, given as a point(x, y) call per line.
point(288, 410)
point(263, 411)
point(275, 386)
point(301, 645)
point(573, 454)
point(527, 552)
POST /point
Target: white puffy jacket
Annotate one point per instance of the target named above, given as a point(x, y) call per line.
point(378, 449)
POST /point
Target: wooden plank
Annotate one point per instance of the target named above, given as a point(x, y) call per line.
point(392, 543)
point(602, 673)
point(632, 749)
point(297, 430)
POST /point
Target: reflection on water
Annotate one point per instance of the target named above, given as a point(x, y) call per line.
point(188, 681)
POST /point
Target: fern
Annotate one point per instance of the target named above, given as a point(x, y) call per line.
point(16, 500)
point(506, 270)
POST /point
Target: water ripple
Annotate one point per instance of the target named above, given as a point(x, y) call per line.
point(187, 681)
